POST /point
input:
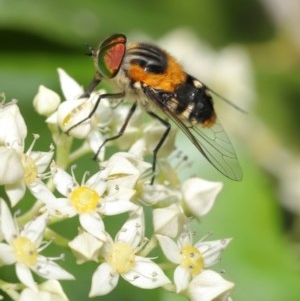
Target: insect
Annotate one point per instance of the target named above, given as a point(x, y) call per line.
point(150, 76)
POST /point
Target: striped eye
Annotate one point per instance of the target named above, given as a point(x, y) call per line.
point(110, 55)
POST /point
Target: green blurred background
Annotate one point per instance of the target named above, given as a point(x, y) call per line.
point(37, 37)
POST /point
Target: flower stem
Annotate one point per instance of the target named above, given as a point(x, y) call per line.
point(57, 238)
point(152, 243)
point(11, 289)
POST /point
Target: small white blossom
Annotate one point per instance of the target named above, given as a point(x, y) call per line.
point(122, 260)
point(89, 200)
point(191, 259)
point(22, 247)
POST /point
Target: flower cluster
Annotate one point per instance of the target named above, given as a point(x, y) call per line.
point(121, 186)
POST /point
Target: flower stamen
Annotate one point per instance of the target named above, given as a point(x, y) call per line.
point(122, 257)
point(30, 169)
point(84, 199)
point(25, 251)
point(192, 259)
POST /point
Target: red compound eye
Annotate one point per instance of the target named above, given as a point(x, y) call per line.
point(110, 55)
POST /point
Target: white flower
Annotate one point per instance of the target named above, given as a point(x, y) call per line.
point(209, 286)
point(122, 260)
point(33, 164)
point(199, 195)
point(46, 101)
point(191, 259)
point(89, 200)
point(13, 128)
point(50, 290)
point(22, 248)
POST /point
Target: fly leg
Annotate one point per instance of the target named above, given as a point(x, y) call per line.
point(160, 142)
point(107, 95)
point(121, 131)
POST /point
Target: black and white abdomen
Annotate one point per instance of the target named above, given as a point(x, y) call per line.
point(195, 102)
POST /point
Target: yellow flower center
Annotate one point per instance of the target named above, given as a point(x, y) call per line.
point(192, 260)
point(30, 169)
point(84, 199)
point(25, 251)
point(122, 257)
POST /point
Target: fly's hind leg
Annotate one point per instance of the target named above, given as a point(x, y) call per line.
point(160, 142)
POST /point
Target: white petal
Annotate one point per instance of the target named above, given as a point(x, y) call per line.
point(169, 248)
point(95, 139)
point(211, 250)
point(50, 270)
point(133, 229)
point(50, 290)
point(61, 207)
point(208, 286)
point(53, 119)
point(42, 159)
point(70, 88)
point(119, 165)
point(34, 230)
point(8, 225)
point(30, 295)
point(25, 276)
point(181, 279)
point(97, 183)
point(15, 192)
point(169, 220)
point(63, 181)
point(146, 274)
point(85, 247)
point(11, 168)
point(104, 280)
point(117, 207)
point(7, 255)
point(93, 224)
point(159, 194)
point(200, 195)
point(42, 193)
point(12, 120)
point(54, 287)
point(119, 202)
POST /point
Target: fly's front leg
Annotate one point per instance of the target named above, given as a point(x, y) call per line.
point(121, 131)
point(107, 95)
point(94, 83)
point(160, 143)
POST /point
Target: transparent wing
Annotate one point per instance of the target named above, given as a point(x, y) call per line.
point(212, 142)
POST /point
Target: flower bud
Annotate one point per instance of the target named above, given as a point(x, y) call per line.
point(46, 101)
